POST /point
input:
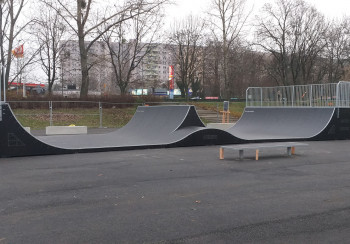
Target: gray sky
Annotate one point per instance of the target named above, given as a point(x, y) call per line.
point(182, 8)
point(332, 9)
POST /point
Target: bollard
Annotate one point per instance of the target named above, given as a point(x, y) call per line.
point(50, 108)
point(101, 114)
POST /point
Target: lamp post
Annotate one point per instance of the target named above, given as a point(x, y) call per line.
point(142, 81)
point(61, 71)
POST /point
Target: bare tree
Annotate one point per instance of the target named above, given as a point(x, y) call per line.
point(50, 30)
point(228, 20)
point(211, 68)
point(310, 32)
point(336, 53)
point(127, 55)
point(24, 63)
point(272, 37)
point(292, 32)
point(85, 21)
point(10, 29)
point(186, 44)
point(245, 68)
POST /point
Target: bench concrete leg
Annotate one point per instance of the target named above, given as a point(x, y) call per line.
point(257, 154)
point(221, 153)
point(289, 151)
point(240, 154)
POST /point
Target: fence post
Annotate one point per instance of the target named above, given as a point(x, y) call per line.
point(100, 110)
point(217, 111)
point(310, 95)
point(337, 95)
point(3, 77)
point(50, 108)
point(261, 97)
point(293, 92)
point(246, 97)
point(2, 71)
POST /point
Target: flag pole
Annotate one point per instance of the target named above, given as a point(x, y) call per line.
point(17, 76)
point(2, 71)
point(18, 52)
point(24, 85)
point(4, 79)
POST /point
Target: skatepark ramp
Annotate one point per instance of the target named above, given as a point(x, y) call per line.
point(150, 127)
point(315, 112)
point(282, 124)
point(303, 112)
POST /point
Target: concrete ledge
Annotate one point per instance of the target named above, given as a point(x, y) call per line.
point(66, 130)
point(221, 126)
point(27, 129)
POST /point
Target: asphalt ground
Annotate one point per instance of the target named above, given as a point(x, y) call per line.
point(178, 195)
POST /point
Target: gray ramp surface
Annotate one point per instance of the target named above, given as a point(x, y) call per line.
point(153, 125)
point(281, 123)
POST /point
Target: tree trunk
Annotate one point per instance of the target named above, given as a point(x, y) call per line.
point(50, 89)
point(9, 52)
point(84, 89)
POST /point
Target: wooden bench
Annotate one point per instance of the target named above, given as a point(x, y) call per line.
point(257, 146)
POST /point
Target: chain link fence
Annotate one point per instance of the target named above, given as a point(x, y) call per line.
point(39, 114)
point(317, 95)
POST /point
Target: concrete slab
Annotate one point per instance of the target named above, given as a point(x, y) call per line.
point(221, 126)
point(66, 130)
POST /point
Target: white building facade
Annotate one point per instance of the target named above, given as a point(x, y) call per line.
point(151, 73)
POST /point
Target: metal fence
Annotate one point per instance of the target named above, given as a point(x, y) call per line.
point(59, 112)
point(317, 95)
point(343, 94)
point(92, 114)
point(39, 114)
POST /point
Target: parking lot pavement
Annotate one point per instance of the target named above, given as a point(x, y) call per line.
point(178, 195)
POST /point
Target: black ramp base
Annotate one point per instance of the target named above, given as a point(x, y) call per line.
point(16, 141)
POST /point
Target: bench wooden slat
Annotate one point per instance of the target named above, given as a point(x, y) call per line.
point(263, 145)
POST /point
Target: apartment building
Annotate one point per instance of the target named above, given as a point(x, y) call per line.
point(151, 73)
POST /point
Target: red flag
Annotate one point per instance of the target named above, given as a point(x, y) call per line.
point(18, 52)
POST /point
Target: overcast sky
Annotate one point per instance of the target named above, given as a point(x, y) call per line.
point(182, 8)
point(331, 8)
